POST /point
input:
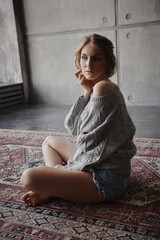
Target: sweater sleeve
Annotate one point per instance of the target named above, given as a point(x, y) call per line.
point(72, 117)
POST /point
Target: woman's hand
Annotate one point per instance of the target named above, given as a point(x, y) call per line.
point(86, 84)
point(58, 166)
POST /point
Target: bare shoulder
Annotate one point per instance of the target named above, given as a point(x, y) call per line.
point(103, 88)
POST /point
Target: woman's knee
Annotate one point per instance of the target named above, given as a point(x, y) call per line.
point(28, 178)
point(46, 142)
point(50, 141)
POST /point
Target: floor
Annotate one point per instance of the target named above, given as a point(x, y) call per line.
point(50, 118)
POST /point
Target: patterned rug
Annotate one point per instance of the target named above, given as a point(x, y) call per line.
point(134, 215)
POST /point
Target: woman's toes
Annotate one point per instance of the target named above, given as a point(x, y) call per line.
point(33, 199)
point(25, 197)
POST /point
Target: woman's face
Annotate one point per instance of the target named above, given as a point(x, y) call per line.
point(93, 63)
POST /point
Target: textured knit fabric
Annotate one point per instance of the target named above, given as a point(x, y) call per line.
point(104, 132)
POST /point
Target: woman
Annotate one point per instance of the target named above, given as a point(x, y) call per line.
point(96, 168)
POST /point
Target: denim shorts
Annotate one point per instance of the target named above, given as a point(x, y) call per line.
point(109, 183)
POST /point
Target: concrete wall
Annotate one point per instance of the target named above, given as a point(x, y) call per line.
point(10, 69)
point(54, 28)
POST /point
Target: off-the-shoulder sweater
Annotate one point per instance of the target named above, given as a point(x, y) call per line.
point(104, 132)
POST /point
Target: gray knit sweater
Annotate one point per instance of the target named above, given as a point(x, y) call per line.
point(104, 132)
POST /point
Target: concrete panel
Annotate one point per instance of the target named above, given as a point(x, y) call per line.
point(50, 16)
point(138, 11)
point(52, 68)
point(10, 71)
point(139, 65)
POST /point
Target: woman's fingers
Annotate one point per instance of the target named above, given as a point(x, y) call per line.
point(58, 166)
point(86, 84)
point(80, 76)
point(77, 73)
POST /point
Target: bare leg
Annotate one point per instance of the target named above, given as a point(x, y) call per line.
point(76, 186)
point(56, 150)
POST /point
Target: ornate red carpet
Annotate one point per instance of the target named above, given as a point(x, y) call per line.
point(135, 215)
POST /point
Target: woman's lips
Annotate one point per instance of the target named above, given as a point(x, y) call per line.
point(89, 71)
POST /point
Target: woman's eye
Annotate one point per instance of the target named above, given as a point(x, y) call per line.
point(96, 58)
point(84, 58)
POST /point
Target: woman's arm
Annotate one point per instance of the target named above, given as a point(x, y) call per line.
point(72, 117)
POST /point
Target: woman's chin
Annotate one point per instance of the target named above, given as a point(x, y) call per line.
point(89, 77)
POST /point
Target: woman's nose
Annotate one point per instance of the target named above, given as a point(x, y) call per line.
point(89, 62)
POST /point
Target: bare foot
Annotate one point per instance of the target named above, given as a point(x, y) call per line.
point(33, 199)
